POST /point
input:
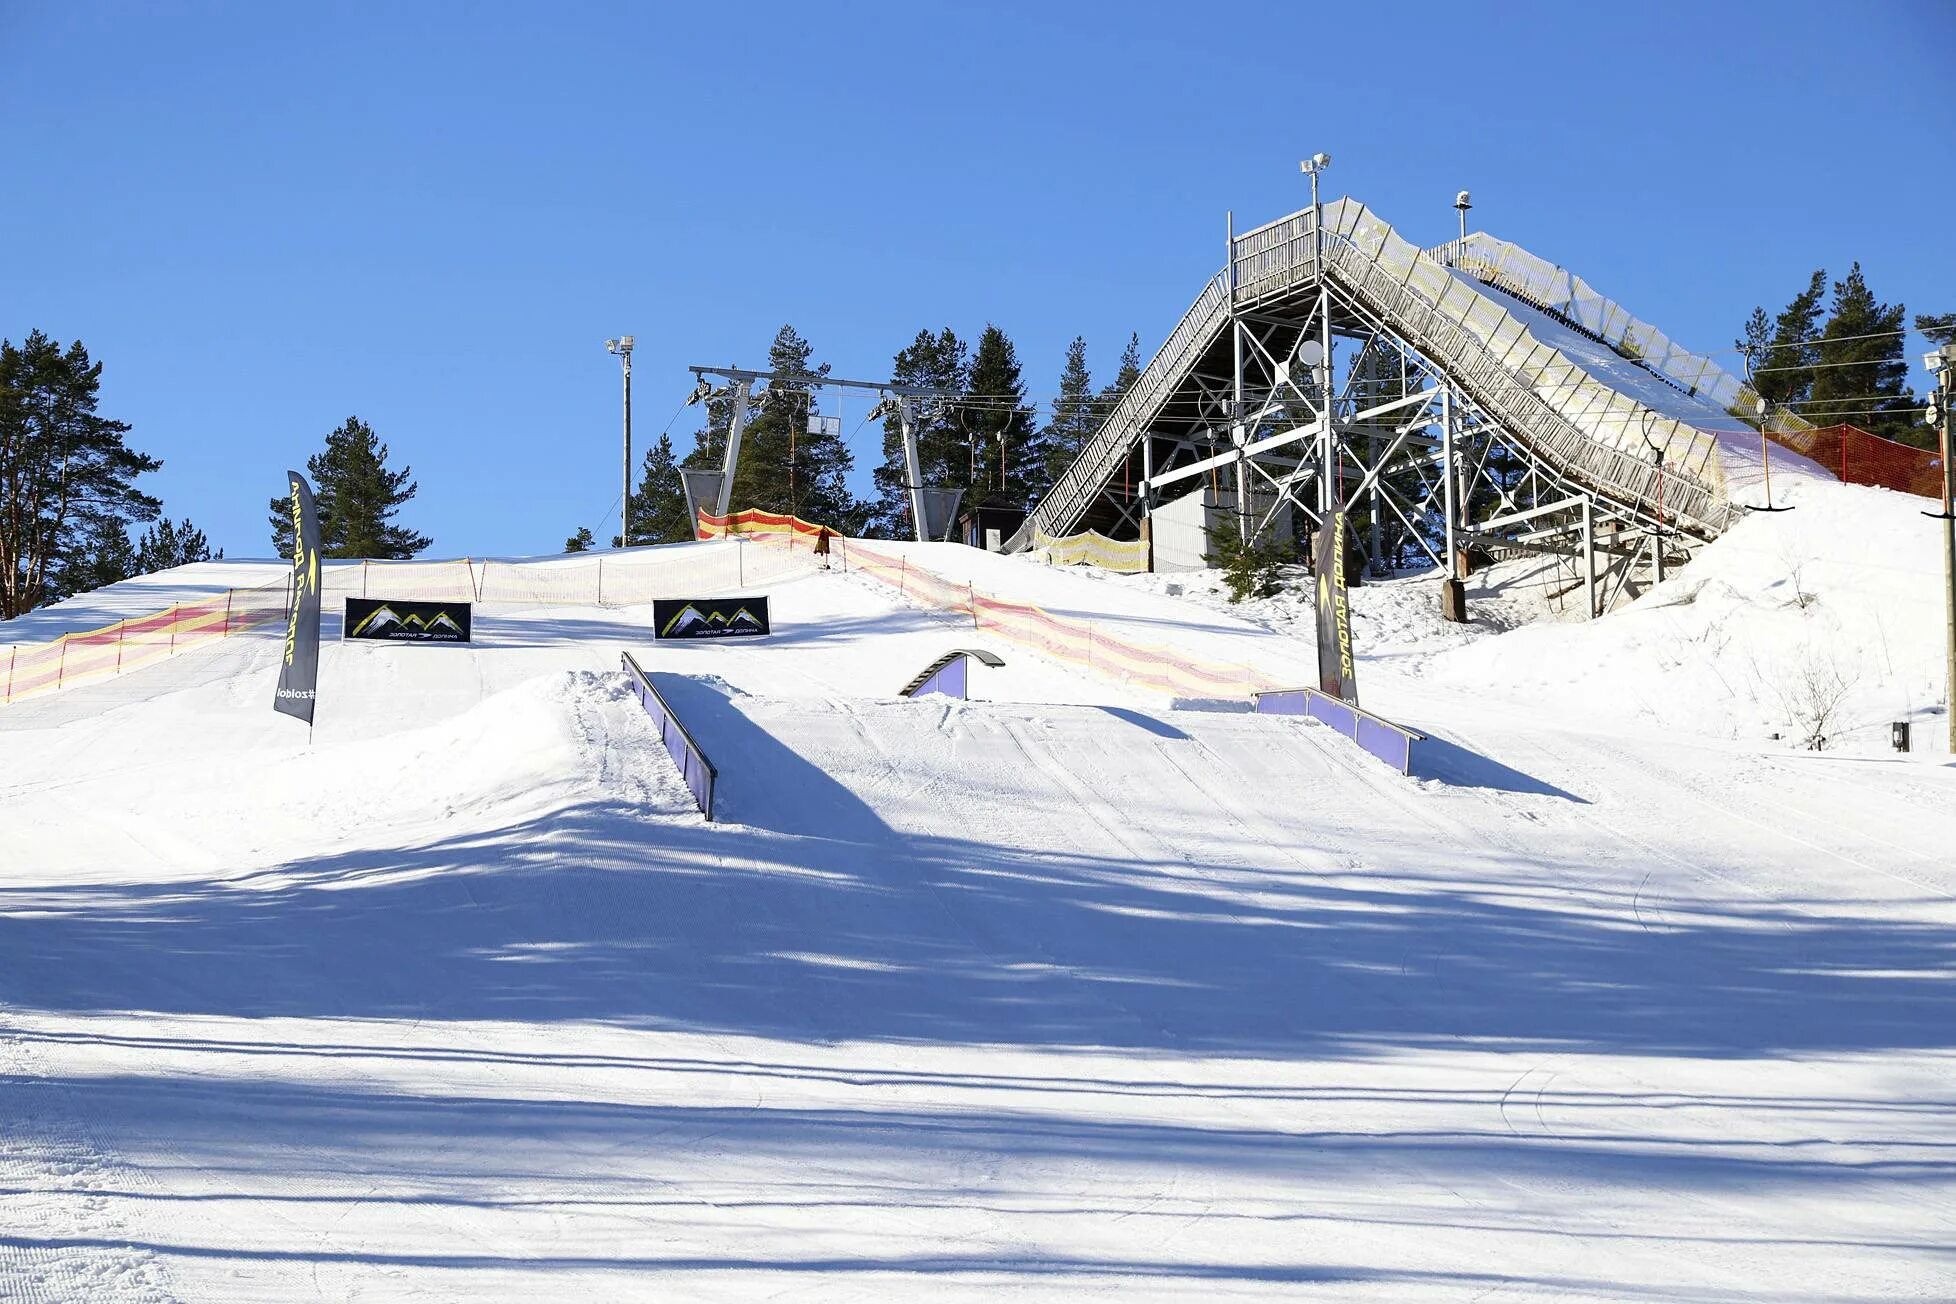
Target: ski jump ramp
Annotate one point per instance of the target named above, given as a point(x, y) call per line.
point(1438, 358)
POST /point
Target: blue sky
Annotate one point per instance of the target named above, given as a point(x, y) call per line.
point(264, 218)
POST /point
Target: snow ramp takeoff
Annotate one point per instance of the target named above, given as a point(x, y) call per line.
point(1483, 342)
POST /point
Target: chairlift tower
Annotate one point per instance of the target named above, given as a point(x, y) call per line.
point(928, 505)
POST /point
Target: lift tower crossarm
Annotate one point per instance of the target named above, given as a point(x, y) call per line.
point(740, 375)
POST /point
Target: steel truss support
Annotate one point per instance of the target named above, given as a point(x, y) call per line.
point(1378, 428)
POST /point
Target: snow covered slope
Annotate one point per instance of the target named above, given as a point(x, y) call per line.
point(1060, 994)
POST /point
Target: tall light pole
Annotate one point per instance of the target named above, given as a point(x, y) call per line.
point(1942, 365)
point(622, 346)
point(1310, 167)
point(1463, 201)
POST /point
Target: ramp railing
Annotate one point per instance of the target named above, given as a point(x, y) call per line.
point(1067, 501)
point(1538, 395)
point(1562, 293)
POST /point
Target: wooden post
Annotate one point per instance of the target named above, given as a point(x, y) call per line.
point(227, 611)
point(120, 625)
point(13, 655)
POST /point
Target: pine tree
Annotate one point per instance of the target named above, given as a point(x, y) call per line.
point(939, 361)
point(1125, 375)
point(1862, 373)
point(1074, 416)
point(1007, 461)
point(67, 474)
point(1937, 328)
point(357, 497)
point(165, 545)
point(659, 502)
point(783, 467)
point(98, 559)
point(582, 541)
point(1783, 353)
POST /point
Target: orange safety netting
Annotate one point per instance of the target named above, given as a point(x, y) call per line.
point(757, 522)
point(1858, 457)
point(32, 668)
point(1063, 638)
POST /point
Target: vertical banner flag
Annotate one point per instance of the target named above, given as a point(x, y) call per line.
point(298, 672)
point(1337, 673)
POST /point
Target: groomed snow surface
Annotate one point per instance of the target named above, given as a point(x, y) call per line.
point(1067, 993)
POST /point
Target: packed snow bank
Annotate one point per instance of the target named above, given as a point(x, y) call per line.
point(1827, 618)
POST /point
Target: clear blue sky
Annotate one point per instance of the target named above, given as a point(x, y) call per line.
point(265, 217)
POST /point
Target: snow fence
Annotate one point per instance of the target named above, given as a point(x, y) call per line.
point(618, 579)
point(1063, 638)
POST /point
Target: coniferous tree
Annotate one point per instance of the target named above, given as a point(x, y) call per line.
point(1937, 328)
point(1125, 374)
point(1006, 457)
point(1784, 350)
point(165, 545)
point(659, 502)
point(357, 498)
point(939, 361)
point(582, 541)
point(1862, 373)
point(783, 467)
point(67, 474)
point(1074, 416)
point(98, 559)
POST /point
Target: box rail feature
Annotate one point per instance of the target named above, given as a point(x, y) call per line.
point(687, 755)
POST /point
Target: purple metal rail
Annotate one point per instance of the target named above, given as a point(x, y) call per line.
point(1391, 743)
point(694, 768)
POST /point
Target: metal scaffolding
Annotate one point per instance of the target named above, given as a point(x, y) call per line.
point(1333, 363)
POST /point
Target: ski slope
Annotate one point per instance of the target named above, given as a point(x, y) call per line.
point(1066, 993)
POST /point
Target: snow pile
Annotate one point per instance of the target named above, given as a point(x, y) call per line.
point(1827, 618)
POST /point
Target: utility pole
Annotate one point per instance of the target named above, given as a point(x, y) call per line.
point(1942, 365)
point(622, 347)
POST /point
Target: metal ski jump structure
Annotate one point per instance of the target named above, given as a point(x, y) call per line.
point(1333, 362)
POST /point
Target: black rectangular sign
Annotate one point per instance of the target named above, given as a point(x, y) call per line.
point(388, 620)
point(709, 617)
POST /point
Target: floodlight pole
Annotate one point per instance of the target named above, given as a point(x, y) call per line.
point(1943, 364)
point(622, 347)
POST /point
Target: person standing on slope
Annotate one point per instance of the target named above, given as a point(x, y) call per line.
point(822, 546)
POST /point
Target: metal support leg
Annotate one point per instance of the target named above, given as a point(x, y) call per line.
point(1453, 589)
point(742, 397)
point(1589, 555)
point(906, 419)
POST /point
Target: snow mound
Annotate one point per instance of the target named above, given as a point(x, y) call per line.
point(1825, 619)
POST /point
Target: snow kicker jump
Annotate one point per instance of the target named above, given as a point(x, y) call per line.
point(1473, 393)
